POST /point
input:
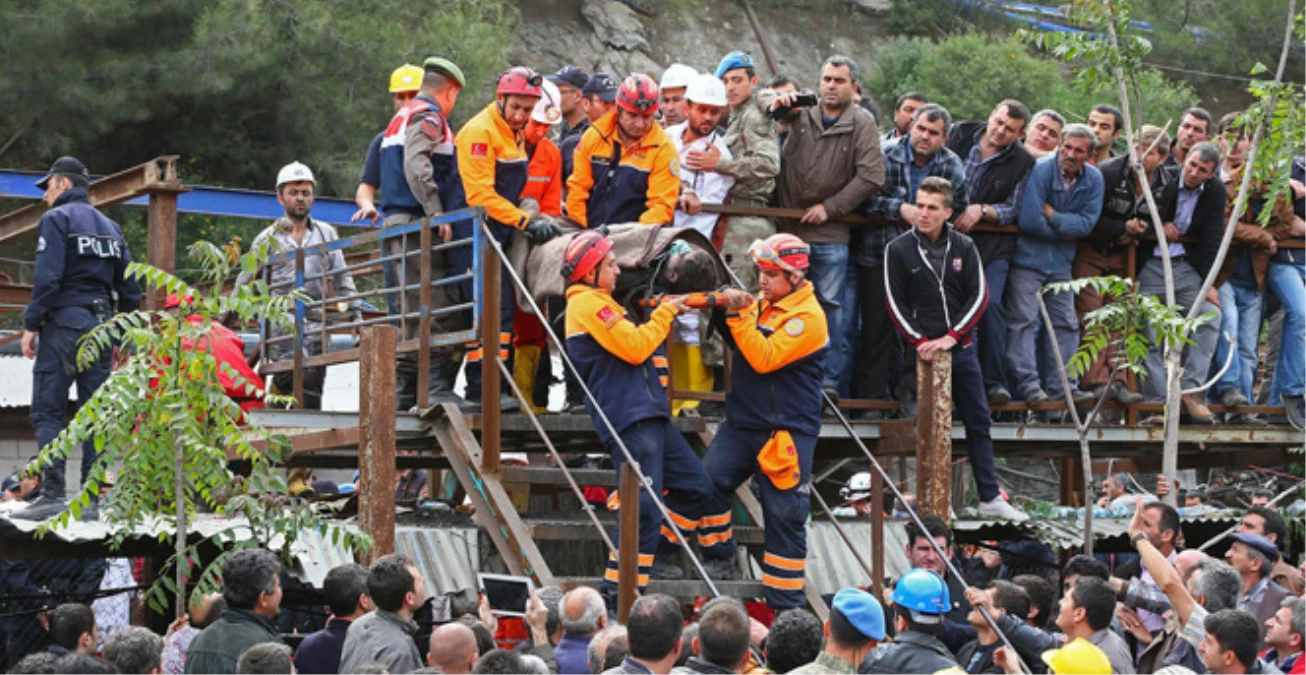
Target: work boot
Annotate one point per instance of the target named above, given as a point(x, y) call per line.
point(1246, 419)
point(1122, 394)
point(1295, 409)
point(1081, 397)
point(1035, 397)
point(1001, 509)
point(1196, 410)
point(720, 569)
point(665, 571)
point(1233, 398)
point(49, 503)
point(998, 395)
point(507, 404)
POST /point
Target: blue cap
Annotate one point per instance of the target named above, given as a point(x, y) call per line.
point(602, 85)
point(1260, 543)
point(11, 483)
point(570, 75)
point(923, 593)
point(346, 489)
point(862, 610)
point(733, 60)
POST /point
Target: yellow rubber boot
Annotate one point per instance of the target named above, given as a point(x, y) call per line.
point(526, 363)
point(688, 373)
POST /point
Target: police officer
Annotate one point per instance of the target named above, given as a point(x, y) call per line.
point(615, 358)
point(921, 600)
point(81, 264)
point(773, 417)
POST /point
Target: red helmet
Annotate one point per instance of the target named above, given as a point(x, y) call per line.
point(520, 81)
point(783, 252)
point(584, 252)
point(638, 94)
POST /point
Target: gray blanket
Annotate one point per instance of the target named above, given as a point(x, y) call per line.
point(635, 246)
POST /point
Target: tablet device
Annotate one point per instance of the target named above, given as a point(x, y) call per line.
point(506, 595)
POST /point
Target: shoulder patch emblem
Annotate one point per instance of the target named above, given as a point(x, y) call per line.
point(40, 244)
point(480, 150)
point(794, 327)
point(607, 316)
point(956, 264)
point(675, 166)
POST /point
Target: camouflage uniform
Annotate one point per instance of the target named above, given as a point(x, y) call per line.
point(754, 164)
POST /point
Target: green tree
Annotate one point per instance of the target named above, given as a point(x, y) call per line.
point(241, 86)
point(165, 424)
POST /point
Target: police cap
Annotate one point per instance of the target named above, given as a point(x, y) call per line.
point(67, 165)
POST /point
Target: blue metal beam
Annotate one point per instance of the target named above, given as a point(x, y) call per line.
point(210, 201)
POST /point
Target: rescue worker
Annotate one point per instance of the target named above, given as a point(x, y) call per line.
point(856, 496)
point(418, 181)
point(626, 166)
point(492, 164)
point(81, 261)
point(544, 187)
point(615, 359)
point(773, 417)
point(404, 83)
point(297, 230)
point(936, 307)
point(671, 93)
point(705, 97)
point(597, 97)
point(920, 601)
point(570, 81)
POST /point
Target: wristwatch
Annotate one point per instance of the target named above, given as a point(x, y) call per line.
point(1133, 541)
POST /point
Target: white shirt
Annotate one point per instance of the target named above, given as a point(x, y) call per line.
point(710, 187)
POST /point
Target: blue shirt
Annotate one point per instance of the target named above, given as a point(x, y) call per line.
point(372, 163)
point(915, 175)
point(572, 654)
point(320, 651)
point(1183, 217)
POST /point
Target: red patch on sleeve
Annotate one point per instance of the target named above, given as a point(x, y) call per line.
point(607, 316)
point(480, 150)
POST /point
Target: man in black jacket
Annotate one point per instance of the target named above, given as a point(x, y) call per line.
point(996, 167)
point(1191, 206)
point(934, 282)
point(1125, 216)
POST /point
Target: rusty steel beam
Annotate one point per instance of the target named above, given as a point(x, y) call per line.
point(376, 448)
point(156, 175)
point(934, 435)
point(15, 295)
point(628, 547)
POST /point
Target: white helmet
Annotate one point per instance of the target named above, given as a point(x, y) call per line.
point(707, 90)
point(294, 172)
point(547, 110)
point(677, 75)
point(858, 486)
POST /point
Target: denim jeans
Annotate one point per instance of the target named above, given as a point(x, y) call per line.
point(1028, 372)
point(1240, 314)
point(991, 339)
point(829, 272)
point(1288, 283)
point(852, 328)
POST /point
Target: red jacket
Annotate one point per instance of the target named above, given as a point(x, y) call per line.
point(544, 178)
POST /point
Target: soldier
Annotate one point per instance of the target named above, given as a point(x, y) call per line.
point(81, 260)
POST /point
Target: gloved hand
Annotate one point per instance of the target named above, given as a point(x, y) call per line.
point(541, 229)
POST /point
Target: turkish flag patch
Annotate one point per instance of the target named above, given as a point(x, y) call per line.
point(480, 150)
point(607, 316)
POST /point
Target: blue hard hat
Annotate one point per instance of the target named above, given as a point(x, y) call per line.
point(733, 60)
point(925, 594)
point(862, 610)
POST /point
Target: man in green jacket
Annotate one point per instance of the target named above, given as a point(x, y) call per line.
point(252, 589)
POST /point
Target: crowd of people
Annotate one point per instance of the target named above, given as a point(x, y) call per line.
point(1161, 610)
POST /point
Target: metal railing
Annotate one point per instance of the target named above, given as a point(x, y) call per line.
point(466, 314)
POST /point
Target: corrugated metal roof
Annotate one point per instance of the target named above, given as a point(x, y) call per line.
point(446, 557)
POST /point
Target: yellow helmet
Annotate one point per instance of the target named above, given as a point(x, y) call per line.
point(1080, 657)
point(406, 78)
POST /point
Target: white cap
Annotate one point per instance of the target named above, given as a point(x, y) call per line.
point(857, 487)
point(707, 90)
point(546, 109)
point(294, 172)
point(677, 75)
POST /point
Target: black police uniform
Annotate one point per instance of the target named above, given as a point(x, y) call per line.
point(81, 260)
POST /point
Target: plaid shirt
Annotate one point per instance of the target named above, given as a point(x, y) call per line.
point(883, 207)
point(975, 168)
point(1146, 595)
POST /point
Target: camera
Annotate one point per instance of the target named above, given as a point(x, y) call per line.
point(781, 113)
